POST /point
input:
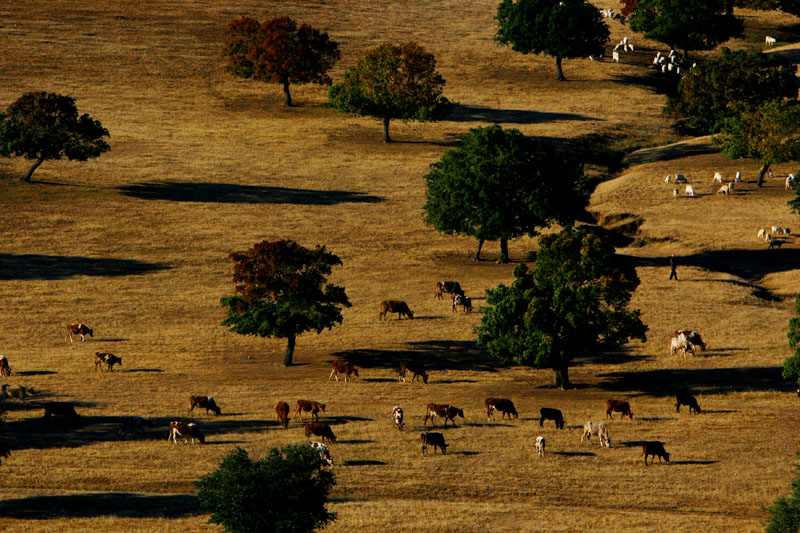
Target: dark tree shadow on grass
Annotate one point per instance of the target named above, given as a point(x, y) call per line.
point(230, 193)
point(122, 504)
point(363, 462)
point(667, 382)
point(436, 355)
point(693, 462)
point(55, 267)
point(470, 113)
point(35, 373)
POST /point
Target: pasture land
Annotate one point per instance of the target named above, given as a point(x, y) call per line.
point(136, 245)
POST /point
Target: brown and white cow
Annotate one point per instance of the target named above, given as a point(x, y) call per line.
point(449, 287)
point(342, 367)
point(282, 410)
point(324, 452)
point(79, 329)
point(204, 402)
point(5, 370)
point(448, 412)
point(618, 406)
point(187, 430)
point(309, 407)
point(395, 306)
point(692, 337)
point(417, 369)
point(397, 416)
point(60, 409)
point(16, 391)
point(504, 405)
point(320, 429)
point(433, 439)
point(109, 359)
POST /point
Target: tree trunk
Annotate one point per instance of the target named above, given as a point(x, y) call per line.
point(761, 174)
point(386, 138)
point(287, 357)
point(478, 251)
point(27, 177)
point(503, 250)
point(562, 377)
point(559, 72)
point(288, 96)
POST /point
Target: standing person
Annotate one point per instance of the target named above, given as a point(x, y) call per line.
point(672, 266)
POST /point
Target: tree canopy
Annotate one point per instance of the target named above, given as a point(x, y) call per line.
point(557, 28)
point(686, 24)
point(768, 134)
point(721, 88)
point(499, 184)
point(44, 126)
point(280, 51)
point(286, 491)
point(574, 302)
point(393, 82)
point(788, 6)
point(785, 512)
point(791, 366)
point(282, 291)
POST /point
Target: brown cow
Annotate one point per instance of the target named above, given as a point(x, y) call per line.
point(342, 367)
point(434, 439)
point(206, 402)
point(5, 370)
point(320, 429)
point(60, 409)
point(108, 358)
point(418, 370)
point(309, 406)
point(618, 407)
point(187, 430)
point(449, 287)
point(282, 410)
point(504, 405)
point(686, 399)
point(395, 306)
point(448, 412)
point(654, 448)
point(78, 329)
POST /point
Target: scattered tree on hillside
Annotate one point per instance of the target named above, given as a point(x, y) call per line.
point(557, 28)
point(791, 366)
point(574, 302)
point(393, 82)
point(499, 184)
point(43, 126)
point(285, 491)
point(628, 7)
point(278, 51)
point(686, 24)
point(768, 134)
point(785, 512)
point(282, 291)
point(788, 6)
point(722, 87)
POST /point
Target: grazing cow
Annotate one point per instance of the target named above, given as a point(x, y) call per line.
point(395, 306)
point(204, 402)
point(187, 430)
point(309, 406)
point(320, 429)
point(449, 287)
point(324, 452)
point(5, 370)
point(692, 337)
point(617, 406)
point(448, 412)
point(79, 329)
point(654, 448)
point(680, 344)
point(464, 301)
point(397, 416)
point(417, 369)
point(132, 424)
point(599, 429)
point(282, 410)
point(776, 243)
point(109, 359)
point(725, 189)
point(434, 439)
point(686, 399)
point(504, 405)
point(16, 391)
point(342, 367)
point(60, 409)
point(689, 191)
point(555, 415)
point(540, 446)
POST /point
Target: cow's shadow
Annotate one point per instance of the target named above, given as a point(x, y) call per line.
point(574, 454)
point(355, 441)
point(122, 504)
point(693, 462)
point(363, 462)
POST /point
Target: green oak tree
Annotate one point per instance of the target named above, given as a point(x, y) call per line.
point(574, 302)
point(791, 366)
point(282, 291)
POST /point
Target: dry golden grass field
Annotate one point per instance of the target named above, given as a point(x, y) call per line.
point(136, 243)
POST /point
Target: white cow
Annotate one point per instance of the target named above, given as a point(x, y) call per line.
point(540, 446)
point(680, 344)
point(762, 233)
point(596, 428)
point(324, 452)
point(717, 178)
point(725, 189)
point(790, 181)
point(770, 41)
point(676, 192)
point(689, 191)
point(397, 416)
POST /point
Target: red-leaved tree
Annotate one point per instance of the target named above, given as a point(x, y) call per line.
point(628, 7)
point(280, 51)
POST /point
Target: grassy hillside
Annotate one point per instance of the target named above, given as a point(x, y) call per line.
point(136, 244)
